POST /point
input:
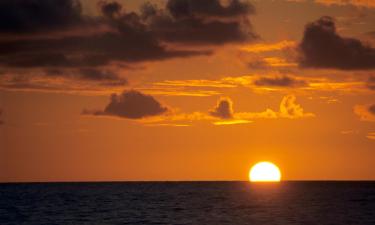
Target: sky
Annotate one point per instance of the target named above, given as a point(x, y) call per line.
point(186, 90)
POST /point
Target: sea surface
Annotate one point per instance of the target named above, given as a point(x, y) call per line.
point(206, 203)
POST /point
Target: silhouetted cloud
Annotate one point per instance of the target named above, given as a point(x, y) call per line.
point(322, 47)
point(223, 109)
point(100, 75)
point(21, 16)
point(284, 81)
point(89, 74)
point(206, 22)
point(41, 35)
point(209, 8)
point(128, 37)
point(132, 105)
point(85, 51)
point(110, 9)
point(222, 114)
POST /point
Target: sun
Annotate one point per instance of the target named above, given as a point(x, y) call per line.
point(264, 172)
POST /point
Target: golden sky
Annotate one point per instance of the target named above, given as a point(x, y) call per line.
point(186, 89)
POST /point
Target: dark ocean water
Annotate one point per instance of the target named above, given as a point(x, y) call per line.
point(188, 203)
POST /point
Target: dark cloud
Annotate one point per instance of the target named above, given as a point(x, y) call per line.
point(43, 35)
point(322, 47)
point(21, 16)
point(64, 79)
point(371, 109)
point(100, 75)
point(205, 22)
point(132, 105)
point(131, 37)
point(284, 81)
point(110, 9)
point(223, 109)
point(258, 64)
point(208, 8)
point(127, 40)
point(88, 74)
point(95, 50)
point(371, 83)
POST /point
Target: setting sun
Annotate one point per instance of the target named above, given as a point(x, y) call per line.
point(264, 172)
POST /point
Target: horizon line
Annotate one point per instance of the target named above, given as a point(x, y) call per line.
point(183, 181)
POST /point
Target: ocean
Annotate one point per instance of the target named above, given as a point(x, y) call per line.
point(287, 202)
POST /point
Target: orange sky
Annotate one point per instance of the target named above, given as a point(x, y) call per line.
point(204, 108)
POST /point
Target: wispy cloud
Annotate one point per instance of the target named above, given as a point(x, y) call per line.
point(288, 109)
point(361, 3)
point(259, 83)
point(196, 83)
point(371, 136)
point(267, 47)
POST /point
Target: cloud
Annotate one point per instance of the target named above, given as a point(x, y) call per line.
point(261, 83)
point(110, 77)
point(126, 36)
point(371, 83)
point(110, 9)
point(88, 51)
point(223, 114)
point(288, 109)
point(209, 8)
point(148, 111)
point(263, 63)
point(196, 83)
point(25, 16)
point(365, 112)
point(131, 105)
point(371, 109)
point(371, 136)
point(322, 47)
point(283, 81)
point(206, 22)
point(267, 47)
point(41, 35)
point(223, 109)
point(360, 3)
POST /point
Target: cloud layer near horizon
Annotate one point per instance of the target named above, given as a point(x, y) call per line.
point(145, 108)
